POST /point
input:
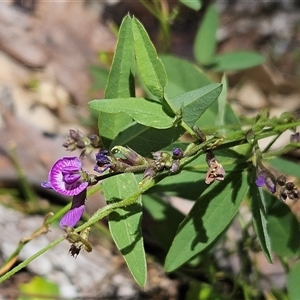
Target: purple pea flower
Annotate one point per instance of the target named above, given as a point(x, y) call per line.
point(67, 177)
point(265, 177)
point(72, 217)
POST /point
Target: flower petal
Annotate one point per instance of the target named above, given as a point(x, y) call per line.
point(72, 217)
point(62, 183)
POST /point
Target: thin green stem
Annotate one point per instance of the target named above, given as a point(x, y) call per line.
point(27, 261)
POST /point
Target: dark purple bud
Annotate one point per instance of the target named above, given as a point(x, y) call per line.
point(177, 153)
point(266, 178)
point(289, 186)
point(281, 180)
point(260, 180)
point(283, 194)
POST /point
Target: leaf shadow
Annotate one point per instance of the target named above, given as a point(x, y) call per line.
point(125, 213)
point(198, 213)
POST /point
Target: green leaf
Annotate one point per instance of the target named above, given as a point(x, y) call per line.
point(193, 4)
point(293, 286)
point(150, 67)
point(209, 217)
point(145, 140)
point(237, 61)
point(193, 104)
point(206, 41)
point(285, 166)
point(260, 219)
point(165, 219)
point(111, 124)
point(125, 224)
point(120, 82)
point(38, 286)
point(283, 227)
point(183, 76)
point(146, 112)
point(220, 120)
point(121, 76)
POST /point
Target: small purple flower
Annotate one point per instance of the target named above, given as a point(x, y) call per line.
point(67, 177)
point(266, 178)
point(103, 161)
point(260, 180)
point(72, 217)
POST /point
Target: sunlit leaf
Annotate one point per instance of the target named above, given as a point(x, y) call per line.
point(125, 223)
point(120, 82)
point(191, 105)
point(150, 67)
point(146, 112)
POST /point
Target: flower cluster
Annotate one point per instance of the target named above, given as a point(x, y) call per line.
point(287, 189)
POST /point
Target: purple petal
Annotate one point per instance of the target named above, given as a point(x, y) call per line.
point(72, 217)
point(59, 182)
point(46, 184)
point(260, 180)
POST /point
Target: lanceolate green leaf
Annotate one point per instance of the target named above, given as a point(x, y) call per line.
point(146, 112)
point(260, 219)
point(193, 4)
point(206, 42)
point(121, 77)
point(125, 224)
point(120, 82)
point(150, 67)
point(193, 104)
point(208, 218)
point(237, 61)
point(293, 286)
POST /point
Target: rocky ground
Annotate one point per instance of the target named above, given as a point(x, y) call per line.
point(46, 49)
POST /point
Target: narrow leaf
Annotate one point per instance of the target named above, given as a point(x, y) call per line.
point(209, 217)
point(206, 42)
point(283, 227)
point(120, 82)
point(237, 61)
point(193, 104)
point(193, 4)
point(260, 219)
point(125, 224)
point(293, 286)
point(220, 120)
point(146, 112)
point(150, 67)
